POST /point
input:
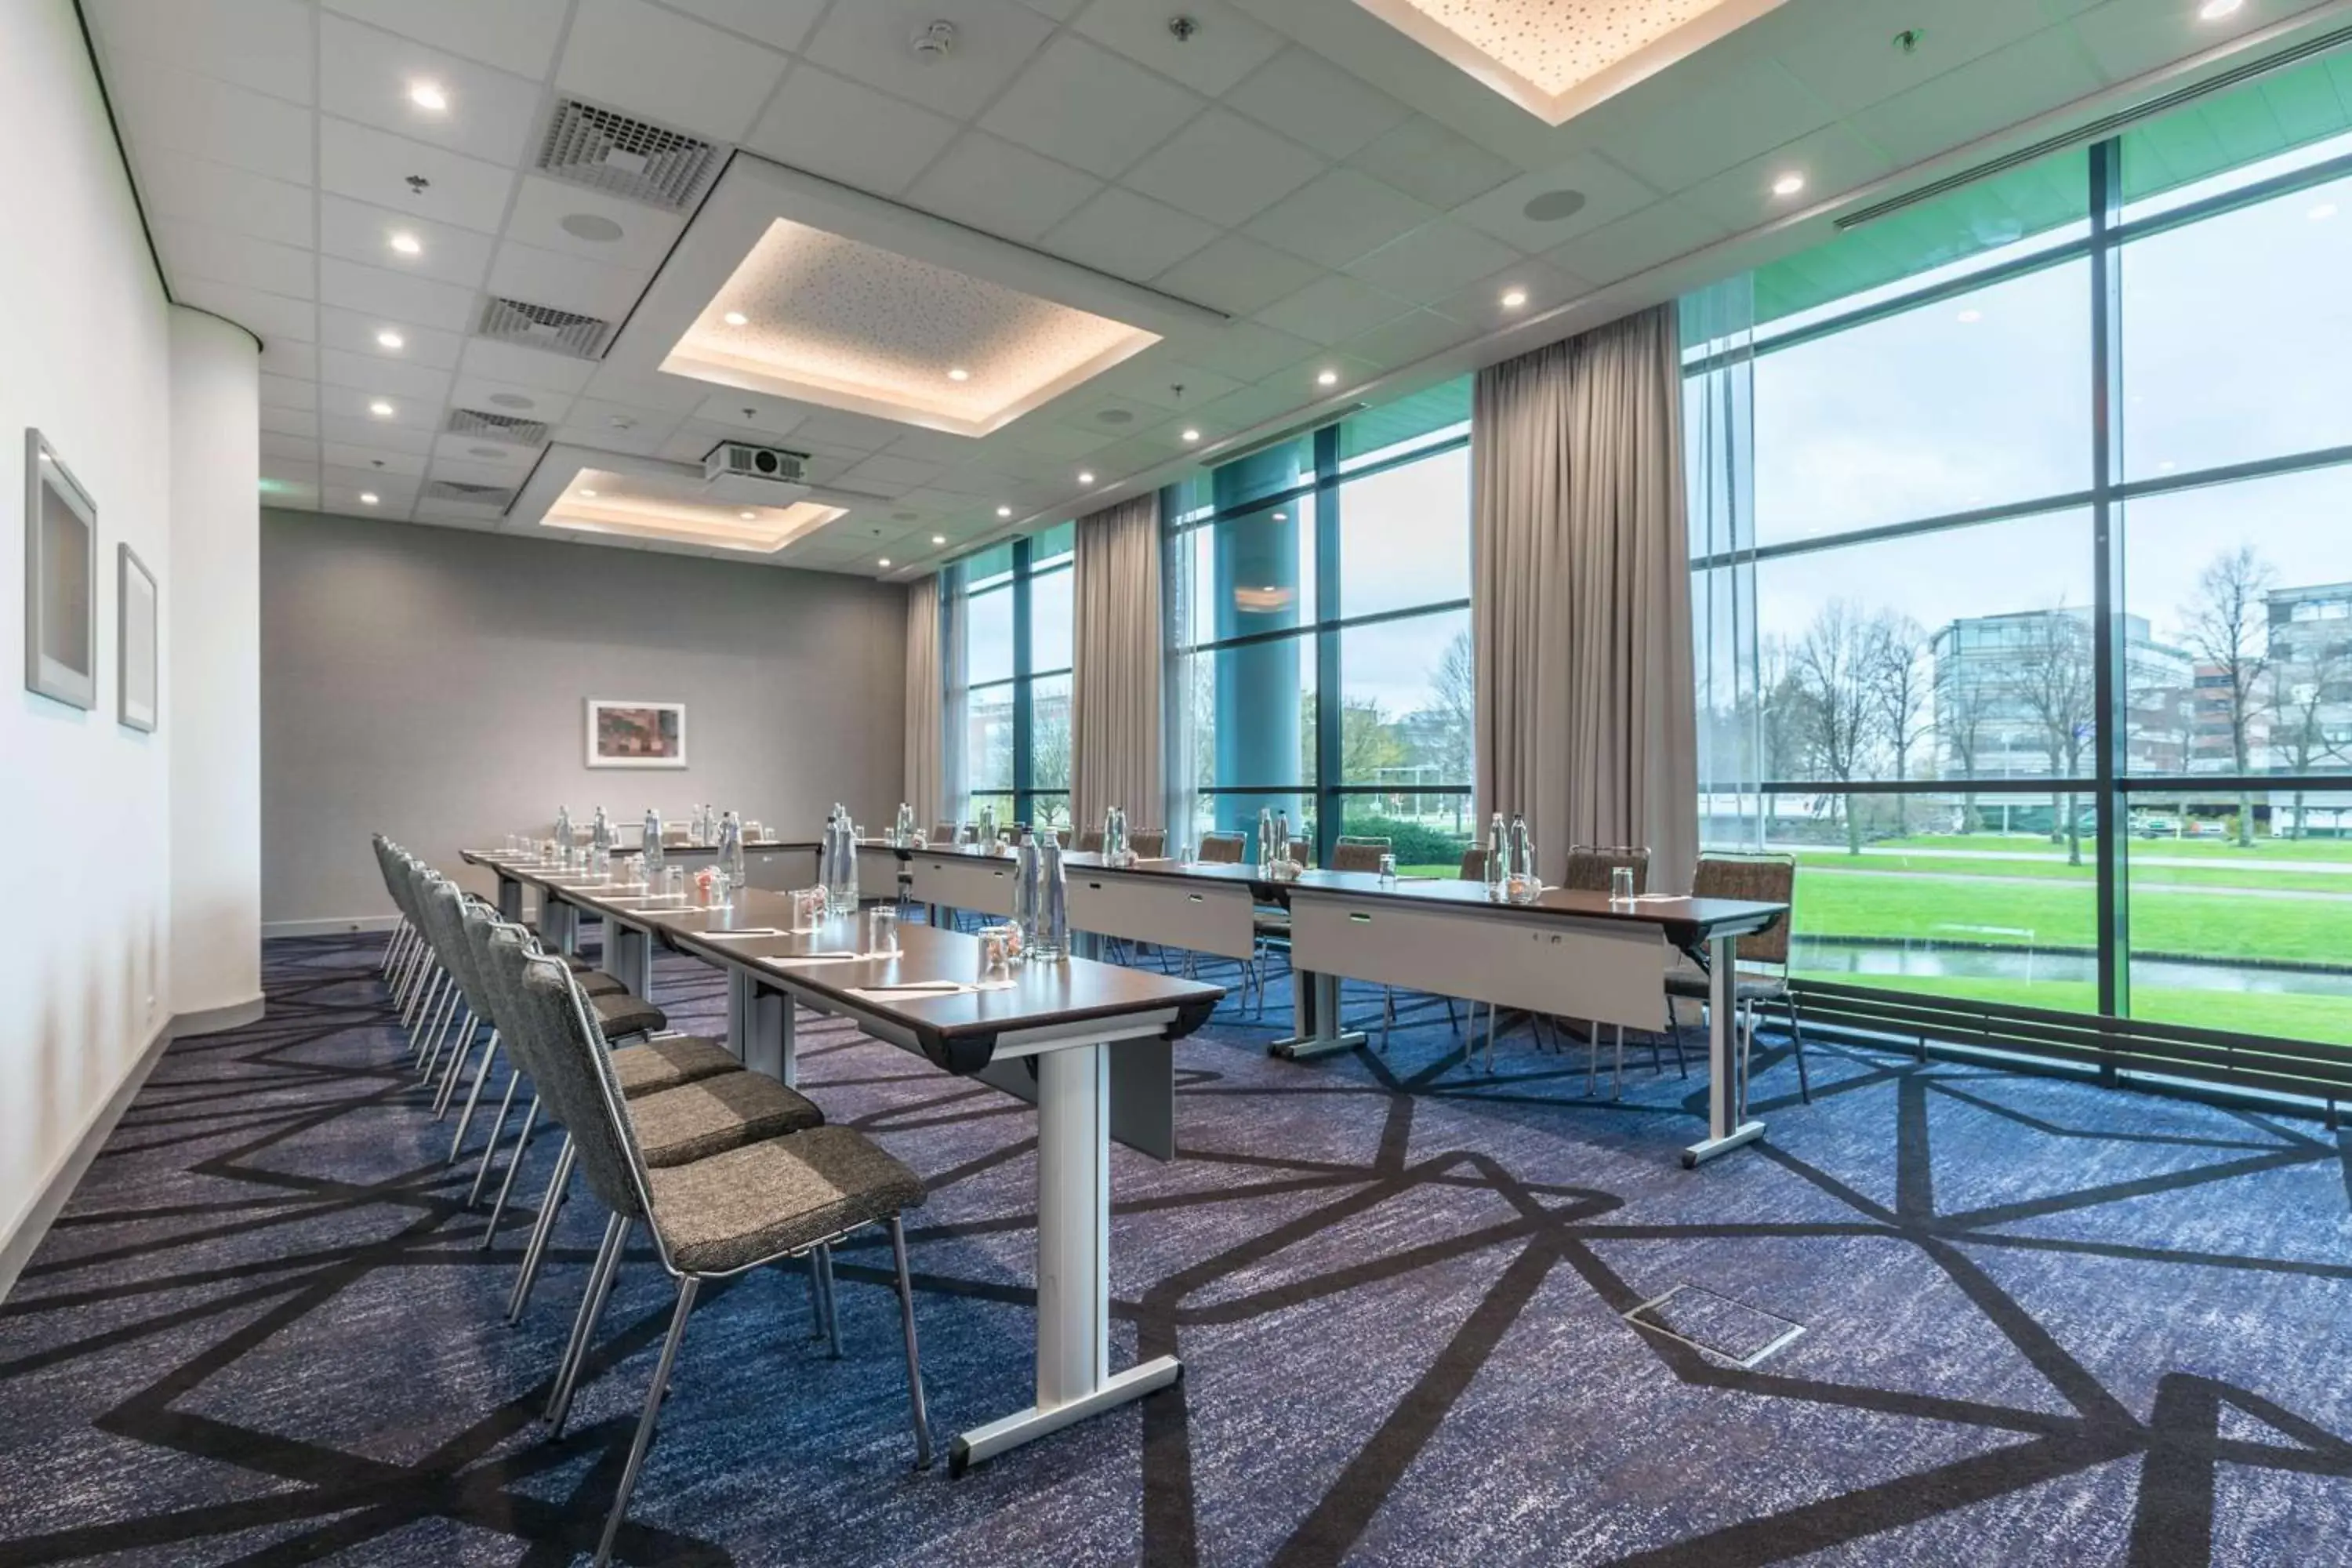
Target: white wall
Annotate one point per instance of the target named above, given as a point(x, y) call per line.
point(84, 357)
point(428, 682)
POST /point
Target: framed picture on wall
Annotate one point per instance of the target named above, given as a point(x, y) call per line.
point(626, 734)
point(60, 580)
point(134, 635)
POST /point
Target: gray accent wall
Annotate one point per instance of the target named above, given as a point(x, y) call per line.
point(431, 683)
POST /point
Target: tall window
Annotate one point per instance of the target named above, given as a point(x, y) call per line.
point(2023, 556)
point(1318, 595)
point(1017, 640)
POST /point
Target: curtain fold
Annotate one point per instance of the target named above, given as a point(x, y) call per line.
point(1580, 596)
point(954, 771)
point(926, 784)
point(1115, 724)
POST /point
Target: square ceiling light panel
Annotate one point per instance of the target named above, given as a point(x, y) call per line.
point(821, 317)
point(1556, 59)
point(599, 500)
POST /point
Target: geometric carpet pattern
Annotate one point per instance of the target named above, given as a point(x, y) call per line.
point(2044, 1322)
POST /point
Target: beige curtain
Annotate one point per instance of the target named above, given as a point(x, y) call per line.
point(1115, 686)
point(926, 788)
point(1580, 596)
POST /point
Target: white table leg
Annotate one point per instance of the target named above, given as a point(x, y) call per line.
point(1725, 1094)
point(761, 1024)
point(630, 959)
point(1315, 1015)
point(1074, 1376)
point(509, 899)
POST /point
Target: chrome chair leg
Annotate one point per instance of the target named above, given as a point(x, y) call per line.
point(455, 1068)
point(1796, 1038)
point(583, 1327)
point(645, 1438)
point(514, 1164)
point(474, 1095)
point(421, 1000)
point(915, 1401)
point(498, 1131)
point(824, 1257)
point(536, 1253)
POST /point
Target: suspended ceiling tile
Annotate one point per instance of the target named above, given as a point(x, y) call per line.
point(751, 416)
point(1039, 434)
point(573, 220)
point(174, 185)
point(784, 24)
point(1226, 46)
point(845, 130)
point(1090, 108)
point(869, 41)
point(268, 315)
point(625, 55)
point(525, 366)
point(1127, 236)
point(357, 231)
point(518, 35)
point(374, 166)
point(510, 399)
point(1317, 104)
point(399, 295)
point(1833, 160)
point(285, 392)
point(1333, 308)
point(1236, 275)
point(1406, 341)
point(937, 446)
point(1848, 64)
point(384, 377)
point(1154, 381)
point(1656, 234)
point(358, 332)
point(391, 462)
point(1481, 305)
point(368, 75)
point(193, 251)
point(671, 394)
point(302, 422)
point(1538, 211)
point(489, 459)
point(1434, 259)
point(163, 107)
point(565, 283)
point(2005, 87)
point(359, 408)
point(1429, 161)
point(1673, 132)
point(364, 432)
point(1338, 217)
point(263, 44)
point(1223, 168)
point(1001, 189)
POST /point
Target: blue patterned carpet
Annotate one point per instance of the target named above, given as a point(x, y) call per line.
point(2043, 1325)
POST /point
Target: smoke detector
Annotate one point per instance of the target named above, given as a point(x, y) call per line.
point(935, 42)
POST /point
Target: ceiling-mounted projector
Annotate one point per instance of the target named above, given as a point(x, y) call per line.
point(757, 475)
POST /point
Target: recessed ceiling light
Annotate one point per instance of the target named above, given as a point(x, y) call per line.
point(735, 318)
point(1004, 512)
point(1282, 516)
point(428, 94)
point(1971, 316)
point(884, 561)
point(367, 497)
point(1327, 378)
point(390, 340)
point(2166, 467)
point(939, 539)
point(587, 495)
point(749, 516)
point(2214, 10)
point(1086, 476)
point(958, 373)
point(1513, 297)
point(1191, 434)
point(1788, 185)
point(379, 409)
point(2322, 213)
point(406, 243)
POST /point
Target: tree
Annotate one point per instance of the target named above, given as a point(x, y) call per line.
point(2303, 685)
point(2229, 631)
point(1962, 707)
point(2052, 681)
point(1898, 677)
point(1833, 666)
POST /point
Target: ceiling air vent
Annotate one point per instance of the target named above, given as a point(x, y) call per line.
point(463, 494)
point(498, 427)
point(544, 327)
point(625, 156)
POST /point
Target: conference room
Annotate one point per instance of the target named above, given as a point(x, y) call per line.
point(1179, 781)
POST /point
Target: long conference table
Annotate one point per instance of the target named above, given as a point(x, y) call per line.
point(1565, 955)
point(776, 863)
point(1090, 1044)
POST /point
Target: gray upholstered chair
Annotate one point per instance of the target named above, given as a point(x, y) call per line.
point(1090, 842)
point(1223, 848)
point(1762, 980)
point(733, 1212)
point(1149, 843)
point(1592, 868)
point(1353, 853)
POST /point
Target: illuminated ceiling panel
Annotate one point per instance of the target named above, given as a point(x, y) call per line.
point(833, 320)
point(600, 501)
point(1556, 59)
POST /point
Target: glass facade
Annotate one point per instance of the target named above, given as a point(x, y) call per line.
point(1318, 600)
point(1017, 633)
point(2022, 545)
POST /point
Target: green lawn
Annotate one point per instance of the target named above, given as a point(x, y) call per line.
point(2039, 844)
point(2052, 864)
point(2252, 1013)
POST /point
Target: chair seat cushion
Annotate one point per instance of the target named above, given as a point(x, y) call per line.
point(658, 1065)
point(762, 1201)
point(621, 1014)
point(597, 983)
point(1747, 985)
point(696, 1121)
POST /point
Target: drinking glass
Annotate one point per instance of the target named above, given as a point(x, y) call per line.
point(882, 929)
point(752, 834)
point(808, 908)
point(995, 955)
point(1620, 885)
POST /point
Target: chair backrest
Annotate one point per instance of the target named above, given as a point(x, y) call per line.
point(1149, 843)
point(1302, 851)
point(1090, 842)
point(1223, 849)
point(1755, 878)
point(1474, 863)
point(1355, 853)
point(444, 908)
point(574, 1077)
point(1590, 865)
point(942, 833)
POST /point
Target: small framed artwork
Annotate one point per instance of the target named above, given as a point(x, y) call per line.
point(60, 580)
point(622, 734)
point(134, 635)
